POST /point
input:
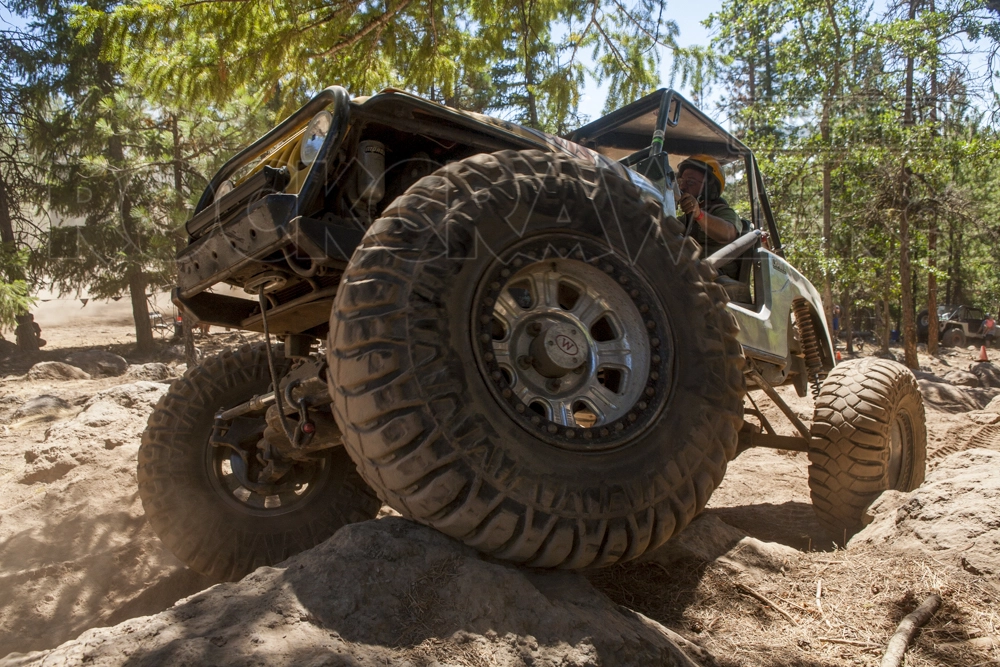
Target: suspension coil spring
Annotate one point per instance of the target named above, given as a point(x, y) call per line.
point(810, 344)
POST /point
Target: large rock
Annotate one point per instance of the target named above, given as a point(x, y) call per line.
point(988, 374)
point(954, 516)
point(153, 372)
point(56, 370)
point(941, 395)
point(708, 539)
point(99, 363)
point(41, 408)
point(386, 592)
point(962, 379)
point(110, 419)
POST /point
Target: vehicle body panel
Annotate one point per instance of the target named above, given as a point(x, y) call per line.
point(238, 235)
point(764, 331)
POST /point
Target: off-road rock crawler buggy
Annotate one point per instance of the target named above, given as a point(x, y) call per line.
point(523, 348)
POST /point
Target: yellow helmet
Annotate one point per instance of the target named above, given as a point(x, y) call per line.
point(704, 163)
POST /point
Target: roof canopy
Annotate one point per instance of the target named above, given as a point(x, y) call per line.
point(630, 129)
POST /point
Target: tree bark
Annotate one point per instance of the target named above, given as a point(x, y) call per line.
point(827, 217)
point(932, 234)
point(140, 310)
point(845, 319)
point(6, 218)
point(932, 316)
point(886, 312)
point(137, 282)
point(909, 329)
point(187, 329)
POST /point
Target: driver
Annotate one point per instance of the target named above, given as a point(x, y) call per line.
point(701, 183)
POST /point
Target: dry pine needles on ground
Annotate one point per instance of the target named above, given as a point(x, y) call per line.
point(774, 619)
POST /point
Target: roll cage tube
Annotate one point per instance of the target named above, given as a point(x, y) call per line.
point(333, 95)
point(765, 204)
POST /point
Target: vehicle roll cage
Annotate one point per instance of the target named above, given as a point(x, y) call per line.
point(665, 122)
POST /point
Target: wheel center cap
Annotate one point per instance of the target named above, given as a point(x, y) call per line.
point(559, 349)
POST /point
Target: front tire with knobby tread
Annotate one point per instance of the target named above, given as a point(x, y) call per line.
point(429, 427)
point(204, 528)
point(869, 436)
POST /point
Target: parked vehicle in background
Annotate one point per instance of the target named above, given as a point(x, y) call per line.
point(958, 326)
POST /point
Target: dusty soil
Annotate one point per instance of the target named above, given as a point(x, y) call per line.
point(76, 553)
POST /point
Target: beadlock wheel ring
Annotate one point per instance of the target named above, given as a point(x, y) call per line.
point(572, 343)
point(229, 478)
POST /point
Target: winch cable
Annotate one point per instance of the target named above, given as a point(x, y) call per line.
point(270, 364)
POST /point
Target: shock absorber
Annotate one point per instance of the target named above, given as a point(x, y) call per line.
point(810, 344)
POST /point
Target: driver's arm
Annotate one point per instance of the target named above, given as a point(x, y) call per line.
point(718, 229)
point(723, 225)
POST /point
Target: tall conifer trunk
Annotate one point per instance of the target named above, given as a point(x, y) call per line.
point(187, 332)
point(932, 234)
point(909, 331)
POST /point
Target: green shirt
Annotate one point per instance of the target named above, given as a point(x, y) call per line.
point(720, 208)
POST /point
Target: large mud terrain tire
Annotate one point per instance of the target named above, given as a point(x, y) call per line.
point(520, 361)
point(869, 436)
point(192, 494)
point(953, 338)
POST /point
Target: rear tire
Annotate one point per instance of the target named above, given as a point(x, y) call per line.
point(869, 436)
point(953, 338)
point(211, 523)
point(428, 386)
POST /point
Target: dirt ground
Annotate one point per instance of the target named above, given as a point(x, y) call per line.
point(76, 553)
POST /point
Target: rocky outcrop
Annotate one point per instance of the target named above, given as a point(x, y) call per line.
point(988, 374)
point(99, 363)
point(386, 592)
point(954, 516)
point(56, 370)
point(153, 372)
point(962, 379)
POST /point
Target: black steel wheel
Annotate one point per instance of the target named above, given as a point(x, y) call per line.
point(521, 360)
point(202, 497)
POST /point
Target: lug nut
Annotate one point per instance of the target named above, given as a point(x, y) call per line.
point(524, 362)
point(534, 329)
point(553, 384)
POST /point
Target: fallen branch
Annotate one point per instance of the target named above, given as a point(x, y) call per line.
point(849, 642)
point(819, 602)
point(754, 594)
point(908, 627)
